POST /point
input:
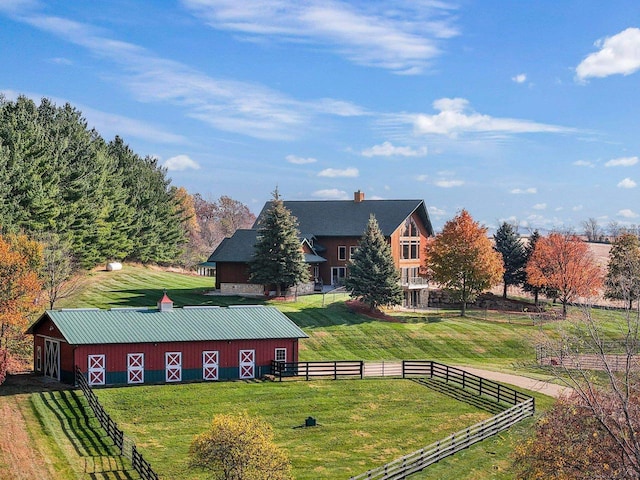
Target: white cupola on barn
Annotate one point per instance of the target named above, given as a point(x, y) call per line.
point(165, 304)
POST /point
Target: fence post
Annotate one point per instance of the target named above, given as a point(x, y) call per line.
point(361, 369)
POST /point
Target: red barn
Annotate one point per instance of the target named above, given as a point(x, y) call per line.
point(135, 346)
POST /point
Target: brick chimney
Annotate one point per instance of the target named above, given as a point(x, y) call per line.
point(358, 196)
point(165, 304)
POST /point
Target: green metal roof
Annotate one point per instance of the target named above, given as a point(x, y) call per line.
point(189, 324)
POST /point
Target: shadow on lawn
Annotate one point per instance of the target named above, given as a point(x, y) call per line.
point(101, 457)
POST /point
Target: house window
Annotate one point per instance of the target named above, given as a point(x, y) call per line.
point(342, 253)
point(352, 251)
point(410, 241)
point(281, 354)
point(39, 358)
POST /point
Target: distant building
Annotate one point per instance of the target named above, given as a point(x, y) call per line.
point(329, 234)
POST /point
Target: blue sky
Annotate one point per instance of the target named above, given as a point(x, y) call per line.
point(521, 111)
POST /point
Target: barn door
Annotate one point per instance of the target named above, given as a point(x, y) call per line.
point(173, 366)
point(247, 363)
point(135, 368)
point(52, 358)
point(210, 365)
point(96, 370)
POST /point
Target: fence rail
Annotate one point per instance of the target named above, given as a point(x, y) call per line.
point(341, 368)
point(523, 406)
point(139, 464)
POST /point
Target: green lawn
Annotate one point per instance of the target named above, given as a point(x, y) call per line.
point(362, 423)
point(163, 419)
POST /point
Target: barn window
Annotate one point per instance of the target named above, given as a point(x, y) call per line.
point(281, 354)
point(342, 252)
point(39, 358)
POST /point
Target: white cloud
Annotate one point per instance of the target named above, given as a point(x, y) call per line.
point(436, 211)
point(520, 78)
point(403, 39)
point(456, 117)
point(387, 149)
point(522, 191)
point(422, 177)
point(226, 105)
point(333, 172)
point(180, 162)
point(448, 183)
point(619, 54)
point(584, 163)
point(299, 160)
point(540, 206)
point(331, 194)
point(577, 208)
point(627, 213)
point(622, 162)
point(627, 183)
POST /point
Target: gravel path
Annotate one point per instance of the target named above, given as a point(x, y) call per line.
point(541, 386)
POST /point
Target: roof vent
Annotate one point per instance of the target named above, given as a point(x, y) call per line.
point(358, 196)
point(165, 304)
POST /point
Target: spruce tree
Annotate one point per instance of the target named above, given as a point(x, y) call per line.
point(507, 243)
point(278, 258)
point(526, 286)
point(373, 276)
point(623, 273)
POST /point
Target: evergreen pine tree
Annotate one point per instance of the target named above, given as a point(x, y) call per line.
point(531, 246)
point(278, 258)
point(507, 243)
point(373, 276)
point(623, 273)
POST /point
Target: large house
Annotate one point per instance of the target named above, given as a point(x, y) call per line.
point(329, 234)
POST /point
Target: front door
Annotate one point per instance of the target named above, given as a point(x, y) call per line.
point(52, 358)
point(247, 363)
point(96, 370)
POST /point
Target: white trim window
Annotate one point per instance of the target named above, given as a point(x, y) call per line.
point(342, 252)
point(281, 355)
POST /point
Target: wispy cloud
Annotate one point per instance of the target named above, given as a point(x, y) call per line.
point(622, 162)
point(448, 183)
point(523, 191)
point(436, 211)
point(520, 78)
point(180, 162)
point(108, 124)
point(456, 117)
point(540, 206)
point(627, 213)
point(387, 149)
point(299, 160)
point(330, 194)
point(619, 54)
point(227, 105)
point(403, 39)
point(627, 183)
point(584, 163)
point(333, 172)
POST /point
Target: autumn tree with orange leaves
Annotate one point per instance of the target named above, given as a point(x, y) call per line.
point(563, 262)
point(20, 262)
point(462, 259)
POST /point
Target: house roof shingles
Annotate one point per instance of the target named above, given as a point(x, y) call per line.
point(191, 324)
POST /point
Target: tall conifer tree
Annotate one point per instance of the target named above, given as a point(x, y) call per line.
point(278, 259)
point(373, 276)
point(513, 256)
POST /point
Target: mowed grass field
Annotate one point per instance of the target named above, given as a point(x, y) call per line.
point(386, 418)
point(361, 423)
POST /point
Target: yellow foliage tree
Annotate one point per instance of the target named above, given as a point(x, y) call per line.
point(239, 447)
point(20, 262)
point(462, 259)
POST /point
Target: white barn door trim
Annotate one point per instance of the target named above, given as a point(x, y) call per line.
point(247, 364)
point(96, 371)
point(173, 366)
point(52, 358)
point(135, 367)
point(210, 365)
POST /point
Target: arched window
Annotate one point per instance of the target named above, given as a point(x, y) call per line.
point(410, 241)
